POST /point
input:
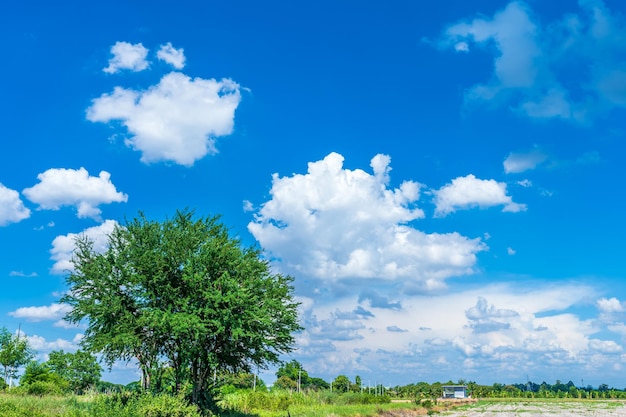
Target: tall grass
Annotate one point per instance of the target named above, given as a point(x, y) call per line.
point(279, 403)
point(113, 405)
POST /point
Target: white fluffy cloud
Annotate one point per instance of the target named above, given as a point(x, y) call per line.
point(71, 187)
point(531, 60)
point(43, 346)
point(334, 223)
point(174, 57)
point(176, 120)
point(63, 246)
point(127, 56)
point(12, 208)
point(469, 191)
point(54, 311)
point(518, 162)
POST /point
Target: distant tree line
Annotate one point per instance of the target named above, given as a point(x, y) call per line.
point(518, 390)
point(293, 377)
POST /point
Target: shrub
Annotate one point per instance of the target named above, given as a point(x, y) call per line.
point(42, 388)
point(164, 405)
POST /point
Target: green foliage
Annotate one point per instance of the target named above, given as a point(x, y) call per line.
point(81, 369)
point(14, 352)
point(42, 388)
point(294, 371)
point(181, 295)
point(38, 379)
point(165, 406)
point(106, 387)
point(35, 372)
point(341, 384)
point(317, 384)
point(242, 380)
point(285, 383)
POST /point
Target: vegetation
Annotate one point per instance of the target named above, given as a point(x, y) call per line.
point(199, 313)
point(185, 300)
point(14, 353)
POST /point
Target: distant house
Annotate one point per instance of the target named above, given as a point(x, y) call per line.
point(454, 391)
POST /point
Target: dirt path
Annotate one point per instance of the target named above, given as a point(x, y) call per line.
point(541, 409)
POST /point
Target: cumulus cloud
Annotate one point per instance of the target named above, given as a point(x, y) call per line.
point(531, 60)
point(41, 345)
point(176, 120)
point(127, 56)
point(174, 57)
point(54, 311)
point(333, 223)
point(486, 318)
point(63, 246)
point(12, 208)
point(469, 191)
point(610, 305)
point(505, 328)
point(518, 162)
point(71, 187)
point(22, 274)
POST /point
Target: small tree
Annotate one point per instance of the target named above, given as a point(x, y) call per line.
point(293, 370)
point(14, 353)
point(341, 384)
point(39, 379)
point(81, 369)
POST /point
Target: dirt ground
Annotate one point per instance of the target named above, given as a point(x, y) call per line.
point(524, 409)
point(547, 409)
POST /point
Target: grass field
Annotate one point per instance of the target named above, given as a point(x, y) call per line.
point(12, 405)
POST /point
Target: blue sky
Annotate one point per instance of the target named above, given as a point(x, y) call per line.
point(441, 180)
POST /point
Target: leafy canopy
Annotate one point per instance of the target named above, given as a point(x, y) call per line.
point(181, 294)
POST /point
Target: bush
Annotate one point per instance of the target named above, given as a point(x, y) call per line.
point(42, 388)
point(164, 405)
point(131, 404)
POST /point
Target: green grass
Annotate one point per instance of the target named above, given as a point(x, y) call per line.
point(32, 406)
point(99, 405)
point(15, 405)
point(268, 405)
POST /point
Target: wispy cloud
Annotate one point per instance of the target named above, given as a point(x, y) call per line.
point(22, 274)
point(531, 60)
point(517, 162)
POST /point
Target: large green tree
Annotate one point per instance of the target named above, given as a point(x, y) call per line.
point(14, 353)
point(181, 293)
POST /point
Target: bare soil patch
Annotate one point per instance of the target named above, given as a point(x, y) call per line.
point(542, 409)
